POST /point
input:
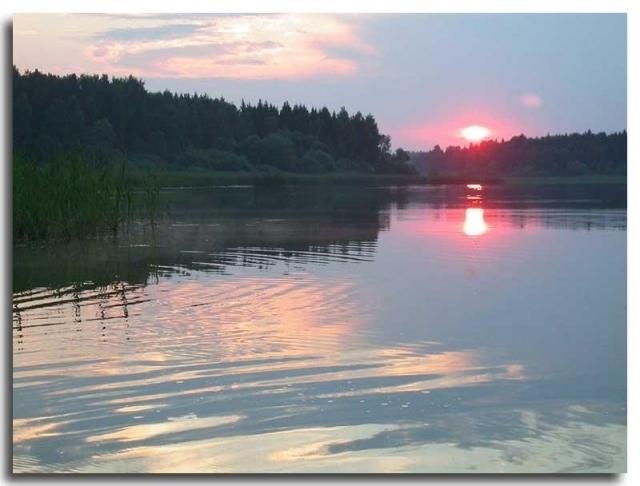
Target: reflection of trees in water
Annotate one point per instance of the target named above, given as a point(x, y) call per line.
point(233, 227)
point(310, 224)
point(566, 196)
point(17, 326)
point(583, 220)
point(86, 302)
point(582, 207)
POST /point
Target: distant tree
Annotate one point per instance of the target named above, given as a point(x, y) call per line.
point(100, 138)
point(119, 116)
point(400, 156)
point(568, 154)
point(22, 114)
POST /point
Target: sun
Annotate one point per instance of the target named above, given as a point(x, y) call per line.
point(475, 133)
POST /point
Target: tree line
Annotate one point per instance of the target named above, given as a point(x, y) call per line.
point(112, 118)
point(558, 155)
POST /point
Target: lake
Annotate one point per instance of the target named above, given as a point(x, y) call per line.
point(330, 329)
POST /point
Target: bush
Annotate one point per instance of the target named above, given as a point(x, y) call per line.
point(215, 159)
point(317, 161)
point(277, 151)
point(348, 165)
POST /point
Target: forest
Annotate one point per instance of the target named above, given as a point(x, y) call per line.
point(114, 119)
point(573, 154)
point(111, 119)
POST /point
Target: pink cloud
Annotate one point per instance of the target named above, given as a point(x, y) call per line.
point(247, 67)
point(531, 100)
point(98, 52)
point(285, 46)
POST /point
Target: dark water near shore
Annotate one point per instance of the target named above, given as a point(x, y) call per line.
point(331, 329)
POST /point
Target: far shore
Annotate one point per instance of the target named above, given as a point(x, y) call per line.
point(202, 178)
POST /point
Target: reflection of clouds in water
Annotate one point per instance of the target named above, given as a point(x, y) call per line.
point(225, 345)
point(25, 430)
point(171, 426)
point(297, 347)
point(454, 443)
point(232, 314)
point(342, 356)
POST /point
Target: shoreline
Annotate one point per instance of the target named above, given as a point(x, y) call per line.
point(175, 179)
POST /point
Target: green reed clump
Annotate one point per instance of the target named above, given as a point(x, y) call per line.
point(151, 197)
point(67, 197)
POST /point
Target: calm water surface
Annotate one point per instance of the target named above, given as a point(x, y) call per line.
point(331, 329)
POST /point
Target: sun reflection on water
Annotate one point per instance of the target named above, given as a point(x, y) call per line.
point(474, 223)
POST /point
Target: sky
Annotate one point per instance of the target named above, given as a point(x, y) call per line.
point(424, 77)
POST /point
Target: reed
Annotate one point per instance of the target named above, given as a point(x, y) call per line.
point(66, 198)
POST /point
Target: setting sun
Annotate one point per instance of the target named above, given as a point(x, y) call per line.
point(475, 133)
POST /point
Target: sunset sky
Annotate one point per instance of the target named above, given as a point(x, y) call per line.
point(425, 77)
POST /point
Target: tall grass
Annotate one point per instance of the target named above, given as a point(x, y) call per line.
point(67, 198)
point(151, 197)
